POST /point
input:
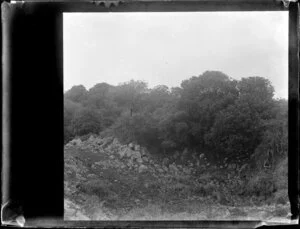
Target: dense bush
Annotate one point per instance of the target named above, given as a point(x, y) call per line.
point(233, 119)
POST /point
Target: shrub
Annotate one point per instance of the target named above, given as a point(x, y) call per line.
point(280, 212)
point(281, 196)
point(95, 187)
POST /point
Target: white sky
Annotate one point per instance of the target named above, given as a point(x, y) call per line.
point(166, 48)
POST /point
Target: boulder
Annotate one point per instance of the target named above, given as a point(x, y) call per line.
point(137, 148)
point(98, 141)
point(142, 168)
point(116, 141)
point(76, 142)
point(131, 145)
point(91, 138)
point(144, 151)
point(160, 170)
point(173, 168)
point(122, 153)
point(107, 141)
point(136, 155)
point(145, 158)
point(129, 152)
point(91, 176)
point(139, 160)
point(126, 152)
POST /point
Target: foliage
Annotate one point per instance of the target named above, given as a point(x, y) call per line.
point(212, 113)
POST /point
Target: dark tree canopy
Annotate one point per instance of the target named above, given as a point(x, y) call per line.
point(210, 113)
point(76, 93)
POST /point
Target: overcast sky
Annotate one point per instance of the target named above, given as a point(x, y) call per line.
point(166, 48)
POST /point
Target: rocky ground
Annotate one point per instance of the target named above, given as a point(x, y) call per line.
point(106, 180)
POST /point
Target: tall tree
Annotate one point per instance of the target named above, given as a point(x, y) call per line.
point(129, 95)
point(76, 93)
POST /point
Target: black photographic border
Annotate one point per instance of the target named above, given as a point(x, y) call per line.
point(32, 88)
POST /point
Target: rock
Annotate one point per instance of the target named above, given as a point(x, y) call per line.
point(145, 158)
point(201, 155)
point(79, 177)
point(137, 148)
point(122, 153)
point(173, 168)
point(165, 161)
point(142, 168)
point(98, 163)
point(91, 138)
point(139, 160)
point(126, 152)
point(135, 155)
point(160, 170)
point(76, 142)
point(129, 152)
point(91, 176)
point(116, 141)
point(131, 145)
point(98, 141)
point(165, 168)
point(107, 141)
point(111, 156)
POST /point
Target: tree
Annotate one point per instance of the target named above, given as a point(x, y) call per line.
point(239, 129)
point(86, 121)
point(202, 98)
point(258, 93)
point(98, 96)
point(129, 95)
point(70, 108)
point(275, 136)
point(235, 133)
point(156, 98)
point(76, 94)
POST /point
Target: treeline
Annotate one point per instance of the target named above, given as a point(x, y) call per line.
point(211, 113)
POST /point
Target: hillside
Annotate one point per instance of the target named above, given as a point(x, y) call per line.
point(107, 180)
